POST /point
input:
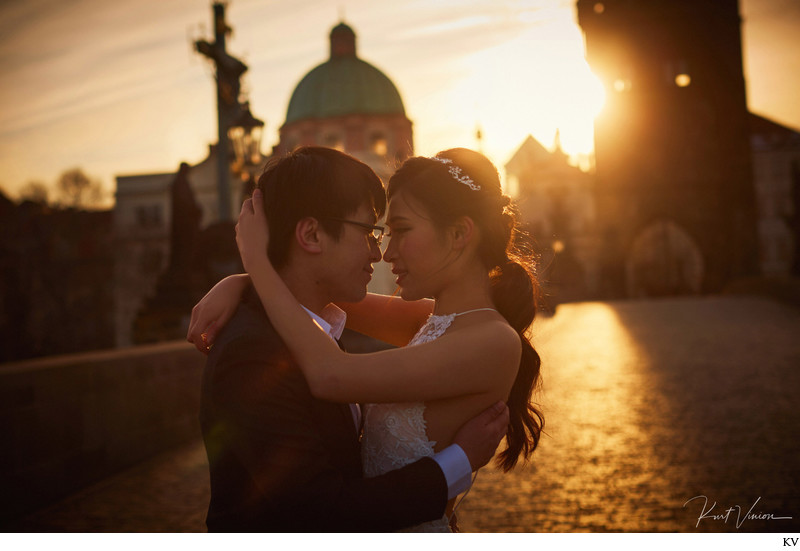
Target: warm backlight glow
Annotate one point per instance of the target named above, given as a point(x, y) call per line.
point(622, 85)
point(683, 80)
point(536, 83)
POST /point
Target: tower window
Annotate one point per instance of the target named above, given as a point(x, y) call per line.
point(683, 80)
point(149, 216)
point(677, 72)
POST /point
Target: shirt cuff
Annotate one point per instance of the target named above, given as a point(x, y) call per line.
point(456, 468)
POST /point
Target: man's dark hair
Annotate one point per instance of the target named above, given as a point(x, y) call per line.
point(316, 182)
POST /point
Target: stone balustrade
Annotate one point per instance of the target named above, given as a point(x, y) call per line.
point(68, 421)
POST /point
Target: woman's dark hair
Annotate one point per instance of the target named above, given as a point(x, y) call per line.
point(446, 191)
point(319, 182)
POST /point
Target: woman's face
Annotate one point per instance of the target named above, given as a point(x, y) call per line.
point(418, 251)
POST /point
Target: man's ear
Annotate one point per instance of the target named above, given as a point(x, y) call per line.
point(463, 232)
point(307, 234)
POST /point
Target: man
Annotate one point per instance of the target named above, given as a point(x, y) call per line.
point(280, 459)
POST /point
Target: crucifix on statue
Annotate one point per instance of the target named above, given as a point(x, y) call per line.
point(229, 109)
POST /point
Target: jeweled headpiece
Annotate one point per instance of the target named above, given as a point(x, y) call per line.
point(457, 173)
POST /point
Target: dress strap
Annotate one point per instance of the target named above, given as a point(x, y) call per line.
point(475, 310)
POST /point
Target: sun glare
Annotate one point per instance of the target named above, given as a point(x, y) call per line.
point(537, 83)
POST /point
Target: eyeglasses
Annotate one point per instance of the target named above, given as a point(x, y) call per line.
point(377, 231)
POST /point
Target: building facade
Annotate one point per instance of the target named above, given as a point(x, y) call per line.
point(142, 231)
point(776, 172)
point(557, 211)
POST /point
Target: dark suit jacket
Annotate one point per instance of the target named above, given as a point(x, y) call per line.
point(283, 461)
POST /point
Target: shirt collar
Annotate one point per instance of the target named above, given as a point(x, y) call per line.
point(331, 320)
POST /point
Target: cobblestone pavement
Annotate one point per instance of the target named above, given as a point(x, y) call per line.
point(648, 404)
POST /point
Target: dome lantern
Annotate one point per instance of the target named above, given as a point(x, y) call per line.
point(343, 41)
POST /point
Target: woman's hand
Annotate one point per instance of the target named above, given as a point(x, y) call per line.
point(252, 232)
point(215, 310)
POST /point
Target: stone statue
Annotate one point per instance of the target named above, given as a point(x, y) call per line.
point(186, 216)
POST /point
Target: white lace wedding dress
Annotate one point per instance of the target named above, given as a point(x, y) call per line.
point(394, 434)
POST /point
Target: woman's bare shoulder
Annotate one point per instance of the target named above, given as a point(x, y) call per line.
point(491, 339)
point(494, 329)
point(503, 335)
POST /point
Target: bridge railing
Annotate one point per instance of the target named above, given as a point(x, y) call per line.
point(68, 421)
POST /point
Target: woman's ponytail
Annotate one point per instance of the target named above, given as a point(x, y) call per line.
point(514, 296)
point(512, 293)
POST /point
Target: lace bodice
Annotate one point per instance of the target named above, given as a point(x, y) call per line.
point(394, 434)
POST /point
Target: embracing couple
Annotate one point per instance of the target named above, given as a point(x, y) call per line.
point(289, 446)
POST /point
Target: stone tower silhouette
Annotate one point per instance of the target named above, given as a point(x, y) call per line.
point(675, 197)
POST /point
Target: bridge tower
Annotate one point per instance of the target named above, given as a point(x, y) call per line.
point(675, 196)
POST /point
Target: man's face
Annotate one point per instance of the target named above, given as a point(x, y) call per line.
point(347, 263)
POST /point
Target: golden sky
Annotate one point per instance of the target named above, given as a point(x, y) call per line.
point(115, 87)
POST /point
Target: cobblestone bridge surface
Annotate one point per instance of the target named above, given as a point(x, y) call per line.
point(648, 405)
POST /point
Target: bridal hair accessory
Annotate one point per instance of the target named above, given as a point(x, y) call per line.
point(455, 172)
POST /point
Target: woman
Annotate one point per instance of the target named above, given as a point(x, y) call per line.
point(451, 238)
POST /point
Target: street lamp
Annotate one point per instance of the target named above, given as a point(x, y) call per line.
point(245, 135)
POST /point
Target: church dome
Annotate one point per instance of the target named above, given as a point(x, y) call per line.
point(343, 85)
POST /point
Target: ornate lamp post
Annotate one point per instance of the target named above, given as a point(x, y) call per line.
point(245, 135)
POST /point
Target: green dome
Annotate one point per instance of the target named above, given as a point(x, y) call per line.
point(343, 85)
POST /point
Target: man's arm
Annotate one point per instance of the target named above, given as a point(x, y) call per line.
point(473, 447)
